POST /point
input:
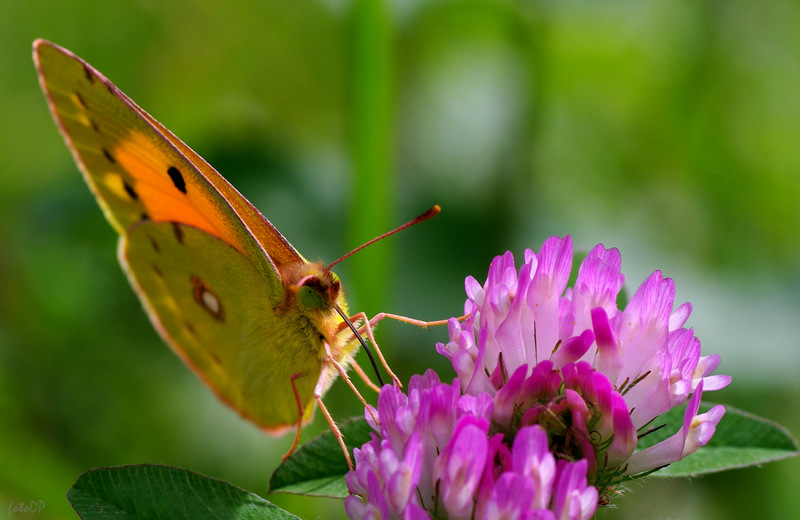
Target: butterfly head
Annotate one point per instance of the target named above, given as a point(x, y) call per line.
point(315, 287)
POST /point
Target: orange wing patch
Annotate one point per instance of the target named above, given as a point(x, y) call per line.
point(161, 187)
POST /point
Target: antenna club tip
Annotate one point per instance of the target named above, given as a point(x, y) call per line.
point(425, 216)
point(435, 210)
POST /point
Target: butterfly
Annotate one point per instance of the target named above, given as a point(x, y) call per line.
point(263, 327)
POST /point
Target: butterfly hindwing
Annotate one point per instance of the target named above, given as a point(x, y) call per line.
point(213, 308)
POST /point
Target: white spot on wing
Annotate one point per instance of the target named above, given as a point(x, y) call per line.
point(210, 301)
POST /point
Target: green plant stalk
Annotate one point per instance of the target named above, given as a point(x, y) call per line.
point(372, 152)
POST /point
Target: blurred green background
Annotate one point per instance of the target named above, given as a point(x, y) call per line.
point(667, 129)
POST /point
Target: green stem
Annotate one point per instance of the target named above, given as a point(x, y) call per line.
point(372, 151)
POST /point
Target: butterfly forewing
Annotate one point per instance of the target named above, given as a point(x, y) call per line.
point(140, 171)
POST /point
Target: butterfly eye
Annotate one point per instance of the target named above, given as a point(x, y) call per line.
point(309, 297)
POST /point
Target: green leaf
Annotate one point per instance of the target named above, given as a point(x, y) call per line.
point(163, 492)
point(318, 467)
point(741, 440)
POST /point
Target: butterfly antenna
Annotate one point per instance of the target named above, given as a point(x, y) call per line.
point(363, 343)
point(422, 218)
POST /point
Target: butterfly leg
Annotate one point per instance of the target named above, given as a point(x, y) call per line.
point(419, 323)
point(364, 377)
point(300, 412)
point(335, 429)
point(368, 327)
point(342, 372)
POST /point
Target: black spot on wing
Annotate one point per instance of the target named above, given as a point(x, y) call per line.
point(130, 191)
point(188, 326)
point(176, 229)
point(81, 102)
point(88, 73)
point(108, 156)
point(177, 178)
point(154, 244)
point(94, 126)
point(158, 271)
point(144, 216)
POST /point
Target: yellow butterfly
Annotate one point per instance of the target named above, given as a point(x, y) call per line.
point(263, 327)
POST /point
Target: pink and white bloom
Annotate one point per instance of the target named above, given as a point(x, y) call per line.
point(620, 368)
point(461, 470)
point(554, 386)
